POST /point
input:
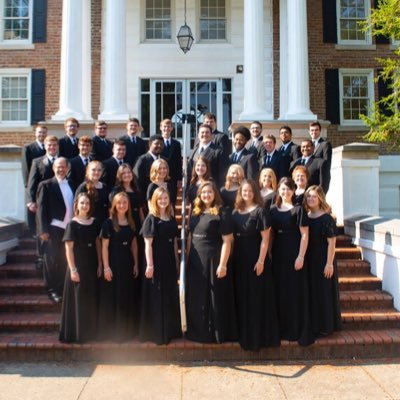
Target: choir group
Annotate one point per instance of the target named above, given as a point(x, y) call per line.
point(260, 246)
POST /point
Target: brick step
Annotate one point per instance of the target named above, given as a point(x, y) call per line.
point(21, 256)
point(33, 322)
point(353, 267)
point(371, 319)
point(27, 243)
point(27, 303)
point(344, 241)
point(365, 299)
point(359, 282)
point(19, 270)
point(367, 344)
point(22, 286)
point(348, 253)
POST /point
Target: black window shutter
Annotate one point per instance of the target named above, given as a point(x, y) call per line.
point(332, 96)
point(329, 21)
point(38, 95)
point(383, 91)
point(39, 21)
point(380, 39)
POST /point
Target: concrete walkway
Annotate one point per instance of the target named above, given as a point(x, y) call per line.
point(377, 379)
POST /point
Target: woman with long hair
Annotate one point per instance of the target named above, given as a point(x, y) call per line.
point(118, 304)
point(160, 315)
point(289, 223)
point(209, 286)
point(300, 176)
point(268, 186)
point(83, 254)
point(200, 174)
point(159, 177)
point(255, 296)
point(234, 178)
point(97, 191)
point(322, 269)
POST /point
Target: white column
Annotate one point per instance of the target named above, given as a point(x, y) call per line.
point(283, 59)
point(298, 90)
point(75, 74)
point(114, 89)
point(254, 85)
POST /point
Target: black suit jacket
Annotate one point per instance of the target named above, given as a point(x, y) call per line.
point(289, 155)
point(318, 170)
point(101, 150)
point(110, 167)
point(66, 148)
point(257, 148)
point(41, 170)
point(29, 153)
point(218, 162)
point(50, 204)
point(173, 155)
point(324, 151)
point(277, 163)
point(134, 151)
point(248, 161)
point(142, 171)
point(77, 170)
point(221, 140)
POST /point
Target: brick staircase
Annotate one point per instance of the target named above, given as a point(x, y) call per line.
point(29, 322)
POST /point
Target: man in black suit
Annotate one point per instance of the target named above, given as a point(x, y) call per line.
point(246, 159)
point(255, 145)
point(135, 145)
point(55, 209)
point(69, 143)
point(144, 162)
point(101, 146)
point(322, 148)
point(272, 158)
point(288, 149)
point(212, 152)
point(31, 151)
point(317, 167)
point(172, 153)
point(79, 163)
point(112, 164)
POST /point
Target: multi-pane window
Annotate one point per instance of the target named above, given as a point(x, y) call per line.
point(357, 95)
point(212, 20)
point(350, 14)
point(158, 19)
point(14, 100)
point(15, 20)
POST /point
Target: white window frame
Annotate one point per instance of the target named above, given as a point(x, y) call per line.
point(158, 40)
point(15, 43)
point(227, 19)
point(368, 36)
point(23, 73)
point(369, 73)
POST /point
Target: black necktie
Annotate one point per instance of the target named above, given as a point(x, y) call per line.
point(268, 159)
point(133, 140)
point(86, 161)
point(201, 150)
point(303, 161)
point(120, 162)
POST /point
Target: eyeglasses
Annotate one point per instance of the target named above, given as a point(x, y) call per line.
point(72, 126)
point(102, 128)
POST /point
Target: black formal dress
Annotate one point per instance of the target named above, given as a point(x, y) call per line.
point(324, 293)
point(210, 305)
point(119, 301)
point(79, 307)
point(153, 186)
point(269, 200)
point(100, 201)
point(228, 197)
point(191, 193)
point(255, 295)
point(291, 286)
point(160, 314)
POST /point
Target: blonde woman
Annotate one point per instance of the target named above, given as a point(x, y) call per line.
point(160, 315)
point(300, 176)
point(118, 305)
point(209, 287)
point(322, 269)
point(159, 177)
point(268, 186)
point(234, 178)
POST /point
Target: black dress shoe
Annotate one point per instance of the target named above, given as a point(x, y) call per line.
point(39, 264)
point(55, 297)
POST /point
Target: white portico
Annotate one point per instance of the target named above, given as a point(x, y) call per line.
point(232, 78)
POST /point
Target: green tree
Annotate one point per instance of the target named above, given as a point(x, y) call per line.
point(384, 120)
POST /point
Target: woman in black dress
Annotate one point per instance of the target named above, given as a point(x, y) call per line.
point(97, 191)
point(300, 176)
point(234, 177)
point(268, 185)
point(255, 296)
point(209, 288)
point(118, 305)
point(160, 315)
point(322, 269)
point(83, 253)
point(201, 173)
point(290, 229)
